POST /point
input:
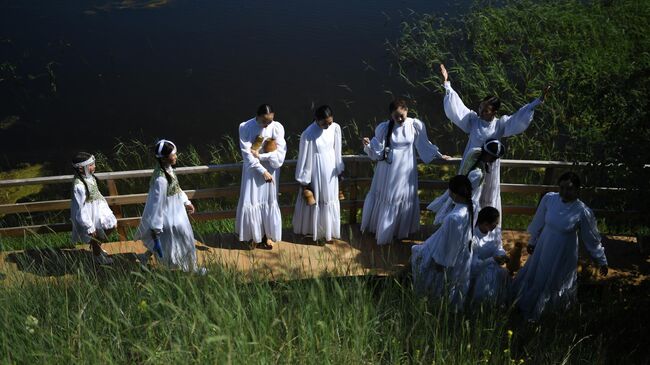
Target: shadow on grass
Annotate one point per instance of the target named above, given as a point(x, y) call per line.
point(59, 262)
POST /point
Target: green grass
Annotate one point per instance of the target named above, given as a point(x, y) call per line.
point(114, 316)
point(12, 194)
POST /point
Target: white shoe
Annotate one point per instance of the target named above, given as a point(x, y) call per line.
point(201, 271)
point(103, 258)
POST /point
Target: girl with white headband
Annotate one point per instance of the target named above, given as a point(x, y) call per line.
point(476, 166)
point(92, 219)
point(165, 227)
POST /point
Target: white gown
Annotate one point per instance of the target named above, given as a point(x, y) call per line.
point(489, 279)
point(165, 213)
point(392, 207)
point(480, 131)
point(449, 246)
point(89, 215)
point(442, 204)
point(319, 165)
point(548, 279)
point(258, 213)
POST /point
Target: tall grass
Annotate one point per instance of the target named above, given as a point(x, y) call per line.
point(113, 316)
point(595, 54)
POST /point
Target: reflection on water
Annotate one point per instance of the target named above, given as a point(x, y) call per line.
point(128, 5)
point(191, 71)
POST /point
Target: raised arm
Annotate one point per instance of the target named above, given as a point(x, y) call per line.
point(519, 121)
point(426, 150)
point(455, 109)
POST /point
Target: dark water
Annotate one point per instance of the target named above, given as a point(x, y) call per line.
point(189, 71)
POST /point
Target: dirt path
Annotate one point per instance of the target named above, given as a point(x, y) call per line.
point(354, 254)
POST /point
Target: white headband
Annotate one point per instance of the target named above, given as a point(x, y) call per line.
point(85, 164)
point(160, 145)
point(501, 149)
point(88, 162)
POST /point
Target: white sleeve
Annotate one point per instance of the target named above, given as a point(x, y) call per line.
point(276, 158)
point(450, 243)
point(185, 199)
point(250, 162)
point(591, 237)
point(305, 159)
point(498, 242)
point(375, 149)
point(426, 150)
point(519, 122)
point(78, 213)
point(537, 224)
point(456, 110)
point(338, 150)
point(157, 196)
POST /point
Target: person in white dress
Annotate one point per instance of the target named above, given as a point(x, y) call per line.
point(548, 278)
point(318, 209)
point(92, 219)
point(165, 226)
point(263, 148)
point(489, 279)
point(441, 265)
point(392, 207)
point(483, 126)
point(476, 165)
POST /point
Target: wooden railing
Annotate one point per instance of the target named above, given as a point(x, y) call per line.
point(358, 177)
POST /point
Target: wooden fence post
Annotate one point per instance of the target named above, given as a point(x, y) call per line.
point(353, 175)
point(117, 209)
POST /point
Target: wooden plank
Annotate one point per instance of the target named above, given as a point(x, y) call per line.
point(287, 209)
point(188, 170)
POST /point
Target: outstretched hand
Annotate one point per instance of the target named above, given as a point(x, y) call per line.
point(444, 72)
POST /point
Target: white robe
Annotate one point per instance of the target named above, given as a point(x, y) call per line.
point(548, 279)
point(449, 246)
point(442, 204)
point(165, 213)
point(392, 207)
point(89, 215)
point(480, 131)
point(258, 213)
point(489, 279)
point(319, 165)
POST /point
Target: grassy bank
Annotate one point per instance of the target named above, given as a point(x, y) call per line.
point(154, 317)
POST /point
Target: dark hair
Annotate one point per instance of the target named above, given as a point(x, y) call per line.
point(165, 151)
point(396, 104)
point(488, 215)
point(323, 112)
point(461, 185)
point(493, 101)
point(78, 158)
point(570, 176)
point(264, 109)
